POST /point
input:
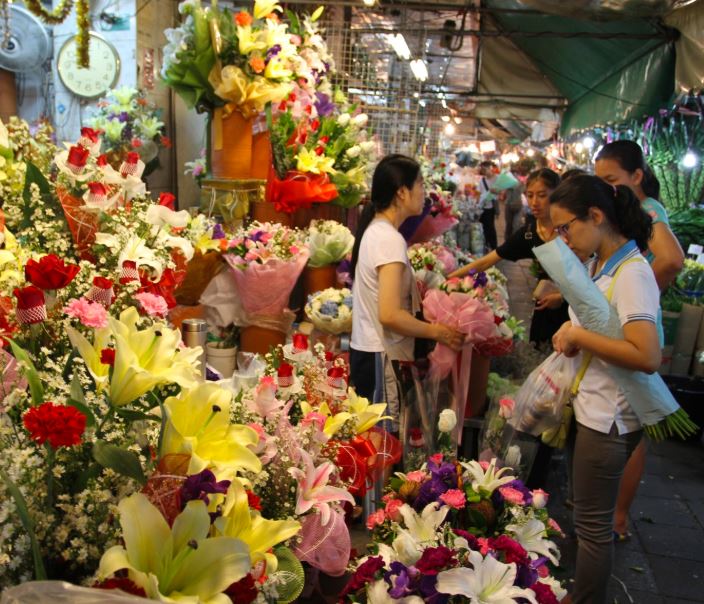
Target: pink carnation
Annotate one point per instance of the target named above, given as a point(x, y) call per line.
point(512, 495)
point(152, 304)
point(454, 498)
point(392, 509)
point(314, 418)
point(436, 458)
point(416, 476)
point(484, 465)
point(484, 546)
point(377, 517)
point(90, 314)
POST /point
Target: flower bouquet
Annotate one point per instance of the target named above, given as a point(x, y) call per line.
point(321, 152)
point(265, 263)
point(329, 242)
point(428, 269)
point(130, 123)
point(433, 540)
point(441, 217)
point(330, 310)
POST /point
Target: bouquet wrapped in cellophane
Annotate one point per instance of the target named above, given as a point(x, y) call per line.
point(328, 242)
point(330, 310)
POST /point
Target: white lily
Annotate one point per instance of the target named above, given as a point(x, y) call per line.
point(136, 250)
point(4, 136)
point(378, 593)
point(531, 535)
point(108, 240)
point(424, 527)
point(487, 480)
point(161, 216)
point(179, 243)
point(488, 582)
point(178, 564)
point(407, 550)
point(90, 353)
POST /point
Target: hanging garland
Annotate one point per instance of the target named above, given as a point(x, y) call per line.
point(59, 15)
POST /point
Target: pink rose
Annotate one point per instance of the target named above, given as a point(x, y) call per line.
point(416, 476)
point(540, 498)
point(392, 509)
point(90, 314)
point(553, 526)
point(506, 407)
point(377, 517)
point(454, 498)
point(511, 495)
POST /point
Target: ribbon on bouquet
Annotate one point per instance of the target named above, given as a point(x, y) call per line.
point(298, 190)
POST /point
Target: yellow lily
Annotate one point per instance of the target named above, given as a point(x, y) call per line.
point(198, 424)
point(231, 84)
point(178, 564)
point(276, 70)
point(243, 523)
point(367, 415)
point(249, 40)
point(317, 14)
point(308, 161)
point(264, 7)
point(148, 357)
point(90, 353)
point(333, 422)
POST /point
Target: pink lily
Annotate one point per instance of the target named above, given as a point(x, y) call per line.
point(313, 489)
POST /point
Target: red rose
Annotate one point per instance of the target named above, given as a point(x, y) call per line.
point(136, 143)
point(167, 199)
point(319, 151)
point(61, 425)
point(166, 141)
point(78, 156)
point(512, 550)
point(51, 272)
point(329, 356)
point(435, 559)
point(336, 372)
point(324, 140)
point(102, 160)
point(253, 501)
point(132, 157)
point(97, 188)
point(284, 370)
point(107, 356)
point(92, 135)
point(31, 307)
point(292, 97)
point(102, 282)
point(244, 591)
point(315, 124)
point(300, 341)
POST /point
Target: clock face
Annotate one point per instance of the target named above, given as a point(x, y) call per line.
point(97, 79)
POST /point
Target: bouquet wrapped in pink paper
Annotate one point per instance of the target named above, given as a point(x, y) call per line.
point(266, 260)
point(441, 218)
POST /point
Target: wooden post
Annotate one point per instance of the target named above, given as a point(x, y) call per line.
point(8, 95)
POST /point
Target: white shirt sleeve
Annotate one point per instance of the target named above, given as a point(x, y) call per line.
point(391, 249)
point(636, 294)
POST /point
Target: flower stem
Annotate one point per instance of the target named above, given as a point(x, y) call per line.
point(50, 459)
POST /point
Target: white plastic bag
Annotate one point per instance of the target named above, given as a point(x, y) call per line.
point(60, 592)
point(541, 399)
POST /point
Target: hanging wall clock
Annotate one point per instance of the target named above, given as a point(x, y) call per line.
point(96, 80)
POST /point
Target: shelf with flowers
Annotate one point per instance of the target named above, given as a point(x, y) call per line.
point(130, 122)
point(233, 65)
point(462, 532)
point(322, 152)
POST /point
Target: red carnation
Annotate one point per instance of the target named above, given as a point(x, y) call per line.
point(435, 559)
point(324, 140)
point(244, 591)
point(253, 501)
point(51, 272)
point(544, 593)
point(365, 573)
point(122, 583)
point(315, 124)
point(61, 425)
point(292, 97)
point(31, 307)
point(136, 143)
point(102, 160)
point(512, 550)
point(319, 151)
point(107, 356)
point(78, 156)
point(167, 199)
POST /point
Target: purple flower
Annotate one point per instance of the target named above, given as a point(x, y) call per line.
point(124, 116)
point(256, 237)
point(328, 309)
point(400, 579)
point(272, 52)
point(198, 486)
point(480, 278)
point(427, 589)
point(323, 104)
point(218, 232)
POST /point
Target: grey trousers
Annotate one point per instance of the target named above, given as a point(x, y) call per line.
point(599, 460)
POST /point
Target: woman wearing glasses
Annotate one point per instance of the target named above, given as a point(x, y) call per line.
point(550, 309)
point(607, 225)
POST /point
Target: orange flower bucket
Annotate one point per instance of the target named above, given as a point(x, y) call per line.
point(259, 339)
point(240, 147)
point(318, 278)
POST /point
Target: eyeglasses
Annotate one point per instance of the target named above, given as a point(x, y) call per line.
point(563, 229)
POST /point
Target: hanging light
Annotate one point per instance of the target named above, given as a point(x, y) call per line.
point(444, 103)
point(530, 152)
point(449, 129)
point(369, 3)
point(419, 69)
point(689, 160)
point(458, 120)
point(588, 142)
point(579, 147)
point(398, 43)
point(445, 118)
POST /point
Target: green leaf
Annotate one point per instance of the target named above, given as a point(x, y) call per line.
point(76, 392)
point(27, 523)
point(85, 410)
point(30, 371)
point(117, 459)
point(136, 416)
point(81, 482)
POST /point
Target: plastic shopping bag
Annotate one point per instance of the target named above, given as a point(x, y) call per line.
point(540, 402)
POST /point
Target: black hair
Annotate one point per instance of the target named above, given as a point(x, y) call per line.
point(629, 156)
point(549, 177)
point(619, 204)
point(572, 172)
point(391, 173)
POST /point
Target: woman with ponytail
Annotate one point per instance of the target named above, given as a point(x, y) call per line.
point(622, 163)
point(606, 226)
point(385, 296)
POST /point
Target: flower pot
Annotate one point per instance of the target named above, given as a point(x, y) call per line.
point(259, 339)
point(263, 211)
point(318, 278)
point(223, 360)
point(239, 146)
point(478, 382)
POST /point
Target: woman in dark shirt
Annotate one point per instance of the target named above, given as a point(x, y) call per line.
point(550, 308)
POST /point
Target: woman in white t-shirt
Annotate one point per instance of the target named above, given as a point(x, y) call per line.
point(385, 296)
point(597, 219)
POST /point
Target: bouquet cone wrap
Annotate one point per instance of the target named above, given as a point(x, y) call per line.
point(431, 227)
point(504, 181)
point(647, 394)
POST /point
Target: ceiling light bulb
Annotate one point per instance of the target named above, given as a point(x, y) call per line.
point(458, 120)
point(689, 160)
point(369, 2)
point(444, 104)
point(588, 142)
point(419, 69)
point(398, 43)
point(530, 152)
point(579, 147)
point(421, 103)
point(445, 118)
point(554, 152)
point(449, 129)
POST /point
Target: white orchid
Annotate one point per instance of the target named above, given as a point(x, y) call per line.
point(488, 582)
point(487, 480)
point(531, 535)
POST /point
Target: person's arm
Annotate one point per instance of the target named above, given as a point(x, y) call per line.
point(669, 257)
point(639, 350)
point(399, 320)
point(480, 264)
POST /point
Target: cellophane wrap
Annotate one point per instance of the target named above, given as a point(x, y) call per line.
point(646, 393)
point(433, 226)
point(325, 547)
point(60, 592)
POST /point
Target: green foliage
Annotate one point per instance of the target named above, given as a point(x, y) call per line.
point(688, 226)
